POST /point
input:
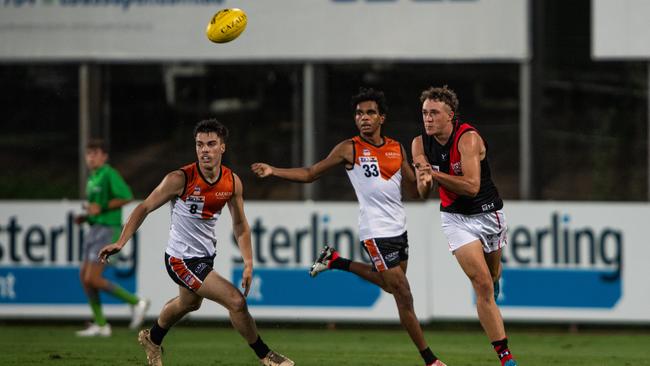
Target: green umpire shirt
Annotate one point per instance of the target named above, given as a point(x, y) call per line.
point(105, 184)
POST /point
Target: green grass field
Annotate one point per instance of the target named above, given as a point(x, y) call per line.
point(28, 344)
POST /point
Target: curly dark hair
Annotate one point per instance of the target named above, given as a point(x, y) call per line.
point(370, 94)
point(443, 94)
point(212, 125)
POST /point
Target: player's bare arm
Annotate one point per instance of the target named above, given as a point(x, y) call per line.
point(242, 232)
point(471, 150)
point(340, 154)
point(423, 170)
point(172, 185)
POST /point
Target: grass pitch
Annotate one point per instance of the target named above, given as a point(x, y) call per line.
point(22, 345)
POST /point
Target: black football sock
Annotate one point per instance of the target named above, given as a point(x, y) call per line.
point(428, 356)
point(340, 263)
point(260, 348)
point(157, 333)
point(502, 350)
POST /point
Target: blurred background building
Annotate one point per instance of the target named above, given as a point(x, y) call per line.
point(588, 117)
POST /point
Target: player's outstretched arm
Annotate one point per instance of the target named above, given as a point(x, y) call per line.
point(242, 232)
point(423, 170)
point(171, 186)
point(470, 147)
point(340, 154)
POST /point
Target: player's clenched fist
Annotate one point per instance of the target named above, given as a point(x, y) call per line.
point(261, 170)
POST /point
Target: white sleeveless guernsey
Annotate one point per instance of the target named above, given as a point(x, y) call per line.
point(376, 177)
point(195, 213)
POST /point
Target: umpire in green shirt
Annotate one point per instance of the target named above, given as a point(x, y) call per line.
point(106, 193)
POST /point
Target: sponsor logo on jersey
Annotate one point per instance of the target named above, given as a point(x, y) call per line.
point(365, 152)
point(369, 159)
point(457, 168)
point(197, 190)
point(392, 154)
point(195, 198)
point(443, 156)
point(223, 194)
point(487, 206)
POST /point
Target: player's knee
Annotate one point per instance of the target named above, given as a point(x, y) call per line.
point(93, 282)
point(85, 281)
point(237, 303)
point(193, 306)
point(483, 286)
point(402, 294)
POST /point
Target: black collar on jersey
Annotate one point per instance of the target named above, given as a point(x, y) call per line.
point(383, 139)
point(198, 168)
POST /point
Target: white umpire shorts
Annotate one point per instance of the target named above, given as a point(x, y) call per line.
point(490, 228)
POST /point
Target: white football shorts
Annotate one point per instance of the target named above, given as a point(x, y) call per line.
point(490, 228)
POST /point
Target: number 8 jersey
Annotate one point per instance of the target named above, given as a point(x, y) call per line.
point(195, 213)
point(376, 176)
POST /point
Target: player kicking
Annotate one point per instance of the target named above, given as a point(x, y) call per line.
point(197, 193)
point(375, 165)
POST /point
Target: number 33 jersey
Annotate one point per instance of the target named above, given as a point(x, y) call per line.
point(376, 176)
point(195, 213)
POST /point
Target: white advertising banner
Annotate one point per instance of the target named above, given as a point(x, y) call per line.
point(141, 30)
point(620, 29)
point(564, 262)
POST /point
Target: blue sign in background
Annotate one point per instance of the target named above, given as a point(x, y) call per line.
point(57, 285)
point(294, 287)
point(560, 288)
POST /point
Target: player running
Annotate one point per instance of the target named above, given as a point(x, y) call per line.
point(454, 155)
point(375, 165)
point(198, 192)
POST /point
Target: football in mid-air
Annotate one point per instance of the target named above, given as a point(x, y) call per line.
point(226, 25)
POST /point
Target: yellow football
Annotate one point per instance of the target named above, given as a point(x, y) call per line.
point(226, 25)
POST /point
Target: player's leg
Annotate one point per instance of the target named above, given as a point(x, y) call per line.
point(99, 326)
point(173, 311)
point(102, 235)
point(471, 260)
point(397, 284)
point(220, 290)
point(493, 260)
point(367, 272)
point(390, 259)
point(329, 258)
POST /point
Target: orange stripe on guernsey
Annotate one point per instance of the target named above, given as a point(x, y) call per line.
point(375, 256)
point(388, 155)
point(185, 275)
